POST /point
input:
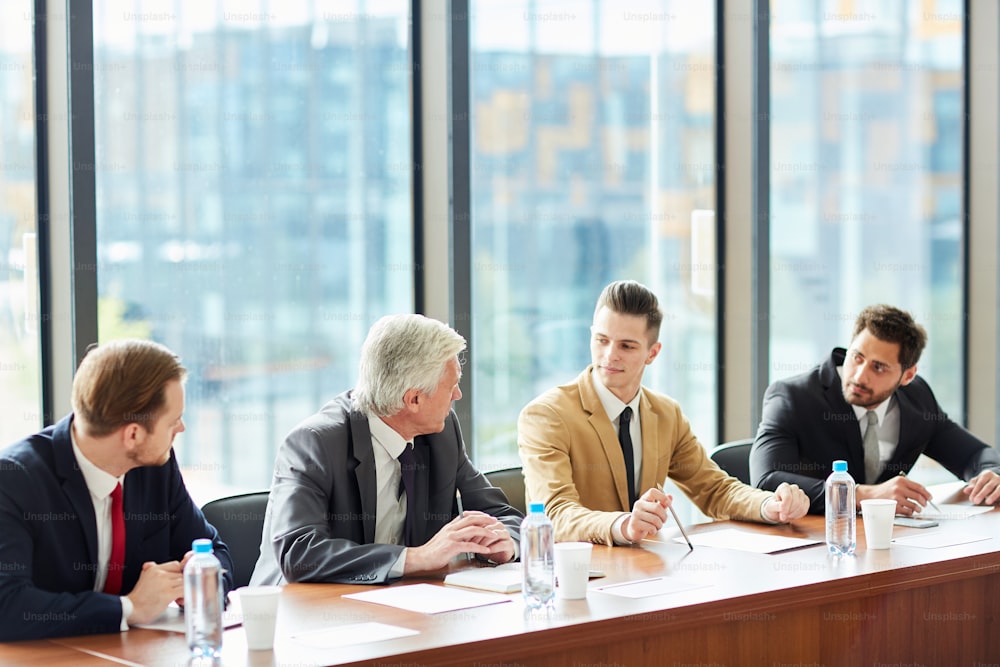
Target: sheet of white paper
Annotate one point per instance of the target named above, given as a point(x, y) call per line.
point(172, 619)
point(934, 539)
point(355, 633)
point(955, 511)
point(746, 540)
point(645, 588)
point(428, 599)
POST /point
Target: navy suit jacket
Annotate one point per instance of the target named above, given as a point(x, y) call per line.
point(806, 425)
point(48, 537)
point(320, 520)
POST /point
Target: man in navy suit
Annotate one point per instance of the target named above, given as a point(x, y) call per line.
point(340, 509)
point(95, 521)
point(812, 419)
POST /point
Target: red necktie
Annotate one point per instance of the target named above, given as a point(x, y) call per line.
point(113, 584)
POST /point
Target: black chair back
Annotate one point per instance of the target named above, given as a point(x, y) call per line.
point(511, 482)
point(734, 458)
point(240, 522)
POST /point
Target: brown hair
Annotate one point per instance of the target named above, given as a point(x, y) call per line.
point(893, 325)
point(627, 297)
point(122, 382)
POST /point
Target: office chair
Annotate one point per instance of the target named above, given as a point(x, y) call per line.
point(240, 522)
point(511, 482)
point(734, 458)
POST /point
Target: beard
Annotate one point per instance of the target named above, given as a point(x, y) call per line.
point(865, 398)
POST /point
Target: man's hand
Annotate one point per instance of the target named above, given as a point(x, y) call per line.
point(158, 584)
point(788, 503)
point(648, 515)
point(472, 532)
point(984, 488)
point(500, 543)
point(910, 496)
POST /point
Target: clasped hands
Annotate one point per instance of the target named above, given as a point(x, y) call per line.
point(158, 585)
point(471, 532)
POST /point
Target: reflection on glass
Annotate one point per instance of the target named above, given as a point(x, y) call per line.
point(592, 150)
point(20, 393)
point(253, 204)
point(866, 118)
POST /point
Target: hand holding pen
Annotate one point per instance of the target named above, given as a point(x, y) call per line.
point(929, 501)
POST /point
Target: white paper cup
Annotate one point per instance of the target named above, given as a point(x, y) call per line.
point(877, 515)
point(259, 605)
point(572, 561)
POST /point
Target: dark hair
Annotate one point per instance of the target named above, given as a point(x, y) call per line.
point(893, 325)
point(627, 297)
point(122, 382)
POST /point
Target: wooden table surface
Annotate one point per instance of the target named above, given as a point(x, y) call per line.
point(930, 606)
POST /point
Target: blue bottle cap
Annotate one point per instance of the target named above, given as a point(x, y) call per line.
point(536, 508)
point(840, 466)
point(202, 546)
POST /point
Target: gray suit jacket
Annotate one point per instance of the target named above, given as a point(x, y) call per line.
point(320, 520)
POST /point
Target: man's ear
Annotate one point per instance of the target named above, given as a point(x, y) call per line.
point(132, 436)
point(653, 351)
point(908, 375)
point(411, 400)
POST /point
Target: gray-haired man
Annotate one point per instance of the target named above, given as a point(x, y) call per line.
point(364, 491)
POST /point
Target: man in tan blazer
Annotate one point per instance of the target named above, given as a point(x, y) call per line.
point(577, 444)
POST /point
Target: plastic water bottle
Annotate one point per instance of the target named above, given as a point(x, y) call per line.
point(537, 558)
point(203, 601)
point(841, 516)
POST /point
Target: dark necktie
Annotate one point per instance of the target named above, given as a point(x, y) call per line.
point(407, 473)
point(116, 563)
point(625, 440)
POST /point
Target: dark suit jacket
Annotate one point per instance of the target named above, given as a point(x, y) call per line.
point(320, 519)
point(806, 424)
point(48, 537)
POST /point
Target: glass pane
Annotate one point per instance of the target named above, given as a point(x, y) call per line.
point(866, 131)
point(593, 160)
point(20, 362)
point(253, 204)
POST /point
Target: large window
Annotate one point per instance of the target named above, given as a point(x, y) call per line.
point(593, 159)
point(19, 315)
point(866, 182)
point(253, 204)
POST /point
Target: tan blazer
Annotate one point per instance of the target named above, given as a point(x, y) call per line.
point(573, 463)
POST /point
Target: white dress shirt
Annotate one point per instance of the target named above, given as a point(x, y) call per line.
point(390, 505)
point(101, 484)
point(888, 425)
point(613, 407)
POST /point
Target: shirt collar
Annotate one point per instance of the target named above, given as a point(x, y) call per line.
point(613, 405)
point(860, 411)
point(392, 442)
point(99, 483)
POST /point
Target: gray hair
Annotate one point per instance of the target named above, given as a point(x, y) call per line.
point(402, 352)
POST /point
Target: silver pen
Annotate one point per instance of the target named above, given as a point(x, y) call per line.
point(678, 522)
point(461, 511)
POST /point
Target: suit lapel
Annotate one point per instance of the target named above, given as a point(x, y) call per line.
point(649, 422)
point(361, 445)
point(605, 432)
point(910, 420)
point(841, 417)
point(74, 486)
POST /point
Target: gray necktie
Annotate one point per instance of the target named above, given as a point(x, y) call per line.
point(872, 467)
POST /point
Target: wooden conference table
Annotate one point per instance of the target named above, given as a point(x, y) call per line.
point(903, 605)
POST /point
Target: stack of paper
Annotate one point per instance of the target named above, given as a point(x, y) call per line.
point(501, 579)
